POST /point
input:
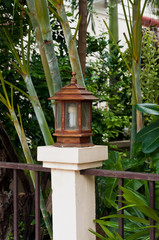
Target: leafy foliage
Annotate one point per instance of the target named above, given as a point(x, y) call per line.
point(149, 75)
point(113, 112)
point(107, 188)
point(10, 21)
point(149, 135)
point(155, 6)
point(137, 215)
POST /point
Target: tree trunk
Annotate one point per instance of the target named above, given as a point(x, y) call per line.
point(136, 65)
point(113, 26)
point(71, 45)
point(113, 19)
point(82, 39)
point(40, 19)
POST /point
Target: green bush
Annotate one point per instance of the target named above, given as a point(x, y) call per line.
point(149, 74)
point(112, 120)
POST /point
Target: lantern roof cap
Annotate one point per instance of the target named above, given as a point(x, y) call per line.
point(73, 91)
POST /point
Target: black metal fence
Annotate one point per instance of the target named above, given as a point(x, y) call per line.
point(121, 175)
point(37, 169)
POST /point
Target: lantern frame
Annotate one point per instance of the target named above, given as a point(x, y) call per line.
point(73, 93)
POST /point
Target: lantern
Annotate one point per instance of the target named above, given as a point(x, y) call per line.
point(73, 115)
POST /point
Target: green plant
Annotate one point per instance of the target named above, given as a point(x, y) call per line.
point(137, 218)
point(149, 74)
point(149, 135)
point(107, 188)
point(20, 232)
point(115, 114)
point(133, 23)
point(108, 126)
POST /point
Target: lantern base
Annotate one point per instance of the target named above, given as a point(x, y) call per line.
point(73, 141)
point(73, 144)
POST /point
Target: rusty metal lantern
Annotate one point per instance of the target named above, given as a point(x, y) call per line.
point(73, 115)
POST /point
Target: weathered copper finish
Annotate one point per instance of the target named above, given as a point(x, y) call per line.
point(73, 97)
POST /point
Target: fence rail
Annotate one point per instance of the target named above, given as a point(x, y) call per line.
point(20, 166)
point(121, 175)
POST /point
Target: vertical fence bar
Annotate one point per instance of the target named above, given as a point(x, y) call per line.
point(120, 204)
point(37, 205)
point(15, 204)
point(152, 205)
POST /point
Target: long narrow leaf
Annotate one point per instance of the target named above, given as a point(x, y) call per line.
point(148, 108)
point(106, 230)
point(76, 30)
point(55, 13)
point(53, 3)
point(143, 8)
point(22, 7)
point(12, 93)
point(22, 45)
point(139, 234)
point(28, 49)
point(114, 224)
point(18, 89)
point(17, 68)
point(127, 206)
point(111, 202)
point(118, 48)
point(130, 20)
point(127, 22)
point(133, 218)
point(20, 118)
point(97, 234)
point(137, 27)
point(132, 196)
point(130, 2)
point(14, 51)
point(5, 91)
point(129, 46)
point(3, 100)
point(118, 236)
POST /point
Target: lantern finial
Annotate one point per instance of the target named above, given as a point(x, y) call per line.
point(73, 79)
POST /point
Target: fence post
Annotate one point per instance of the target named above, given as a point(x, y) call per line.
point(73, 194)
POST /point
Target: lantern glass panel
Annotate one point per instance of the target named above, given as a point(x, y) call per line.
point(71, 116)
point(85, 116)
point(58, 116)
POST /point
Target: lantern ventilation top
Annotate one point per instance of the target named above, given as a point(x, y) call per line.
point(73, 91)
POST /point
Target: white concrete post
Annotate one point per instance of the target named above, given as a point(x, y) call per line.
point(73, 195)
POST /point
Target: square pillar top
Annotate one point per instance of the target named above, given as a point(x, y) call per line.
point(72, 158)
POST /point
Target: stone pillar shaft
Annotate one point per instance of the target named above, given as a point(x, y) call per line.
point(73, 197)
